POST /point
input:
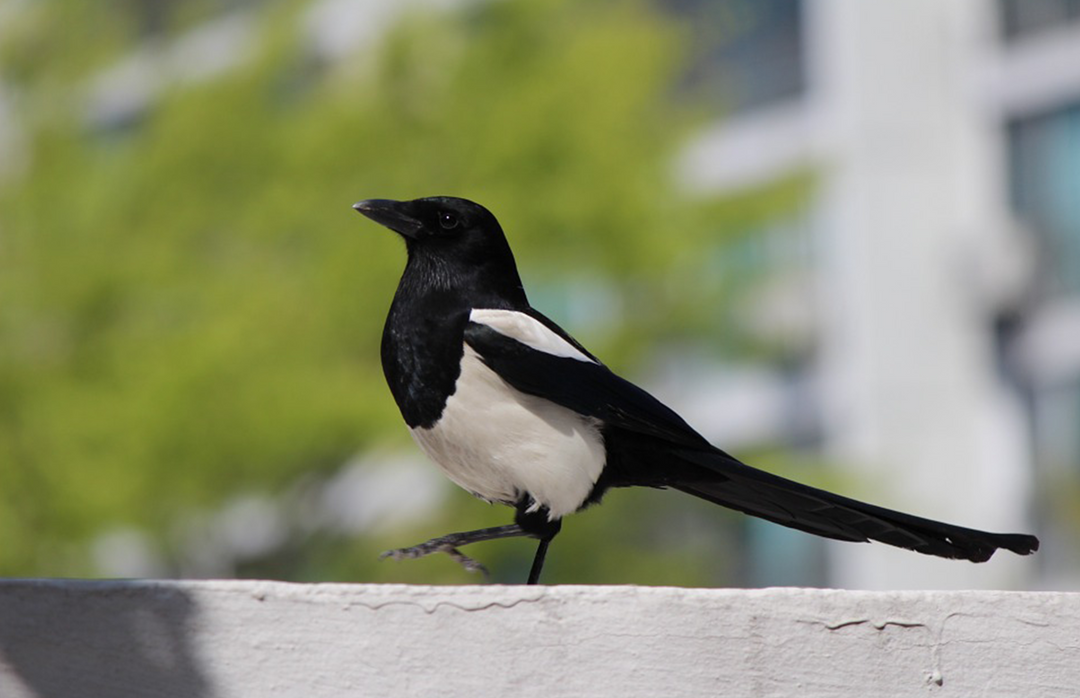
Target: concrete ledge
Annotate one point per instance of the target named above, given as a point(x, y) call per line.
point(244, 638)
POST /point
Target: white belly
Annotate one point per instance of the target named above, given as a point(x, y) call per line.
point(499, 443)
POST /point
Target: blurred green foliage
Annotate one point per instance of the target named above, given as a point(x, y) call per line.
point(189, 308)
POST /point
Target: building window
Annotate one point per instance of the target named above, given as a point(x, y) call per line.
point(745, 53)
point(1020, 18)
point(1044, 155)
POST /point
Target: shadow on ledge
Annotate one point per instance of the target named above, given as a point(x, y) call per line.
point(132, 639)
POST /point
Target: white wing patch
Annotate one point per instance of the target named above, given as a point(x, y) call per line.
point(527, 330)
point(500, 443)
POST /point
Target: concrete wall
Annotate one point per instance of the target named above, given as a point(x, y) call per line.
point(243, 638)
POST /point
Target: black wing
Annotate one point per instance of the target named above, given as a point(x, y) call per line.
point(586, 387)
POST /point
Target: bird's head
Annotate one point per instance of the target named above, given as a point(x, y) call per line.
point(451, 242)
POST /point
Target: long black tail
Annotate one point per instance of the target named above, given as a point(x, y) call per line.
point(721, 479)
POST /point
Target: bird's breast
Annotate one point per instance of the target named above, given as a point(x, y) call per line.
point(500, 443)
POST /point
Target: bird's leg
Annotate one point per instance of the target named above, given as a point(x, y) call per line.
point(538, 525)
point(450, 543)
point(538, 561)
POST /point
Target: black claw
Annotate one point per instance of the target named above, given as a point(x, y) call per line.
point(469, 564)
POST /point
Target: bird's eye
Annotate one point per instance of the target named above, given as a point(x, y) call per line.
point(447, 220)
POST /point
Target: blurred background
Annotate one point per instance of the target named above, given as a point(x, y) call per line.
point(842, 239)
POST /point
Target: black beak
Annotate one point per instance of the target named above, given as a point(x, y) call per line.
point(391, 214)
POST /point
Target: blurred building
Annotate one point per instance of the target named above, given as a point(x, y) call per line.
point(931, 289)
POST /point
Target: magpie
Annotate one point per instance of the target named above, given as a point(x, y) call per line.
point(516, 411)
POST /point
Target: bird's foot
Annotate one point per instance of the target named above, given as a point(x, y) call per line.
point(443, 544)
point(450, 543)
